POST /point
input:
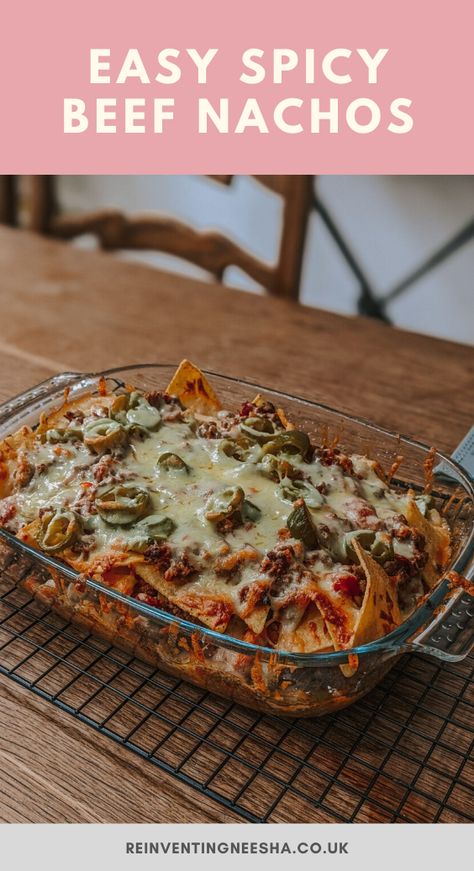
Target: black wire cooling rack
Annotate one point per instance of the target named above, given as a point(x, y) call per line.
point(402, 754)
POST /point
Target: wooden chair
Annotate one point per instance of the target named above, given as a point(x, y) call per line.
point(212, 251)
point(8, 200)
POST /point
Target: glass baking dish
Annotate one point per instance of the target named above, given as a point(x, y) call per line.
point(291, 684)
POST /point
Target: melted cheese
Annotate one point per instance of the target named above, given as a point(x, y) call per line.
point(183, 497)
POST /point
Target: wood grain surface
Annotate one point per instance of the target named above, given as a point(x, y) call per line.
point(64, 309)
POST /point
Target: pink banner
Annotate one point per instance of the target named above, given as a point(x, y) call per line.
point(254, 86)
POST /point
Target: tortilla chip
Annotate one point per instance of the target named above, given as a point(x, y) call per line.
point(5, 481)
point(340, 620)
point(192, 389)
point(379, 613)
point(213, 611)
point(250, 608)
point(85, 403)
point(10, 450)
point(257, 618)
point(289, 617)
point(312, 634)
point(120, 579)
point(437, 540)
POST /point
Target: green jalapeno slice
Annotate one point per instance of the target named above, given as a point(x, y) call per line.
point(269, 466)
point(381, 548)
point(155, 527)
point(223, 504)
point(259, 429)
point(378, 544)
point(121, 418)
point(59, 529)
point(134, 412)
point(123, 504)
point(232, 449)
point(301, 526)
point(302, 490)
point(365, 537)
point(134, 429)
point(277, 469)
point(66, 434)
point(292, 441)
point(173, 463)
point(250, 512)
point(144, 415)
point(103, 433)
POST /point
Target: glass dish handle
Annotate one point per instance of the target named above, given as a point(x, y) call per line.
point(37, 394)
point(450, 636)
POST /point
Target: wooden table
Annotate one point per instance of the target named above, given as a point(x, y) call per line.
point(64, 309)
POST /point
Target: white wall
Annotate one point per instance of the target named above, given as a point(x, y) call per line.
point(392, 223)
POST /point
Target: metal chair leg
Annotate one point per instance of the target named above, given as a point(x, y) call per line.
point(367, 304)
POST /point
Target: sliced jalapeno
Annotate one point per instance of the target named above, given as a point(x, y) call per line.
point(143, 414)
point(381, 548)
point(104, 433)
point(302, 490)
point(134, 411)
point(155, 527)
point(250, 511)
point(123, 504)
point(301, 526)
point(173, 463)
point(134, 429)
point(68, 434)
point(269, 466)
point(223, 504)
point(365, 537)
point(121, 418)
point(259, 429)
point(332, 542)
point(59, 529)
point(277, 469)
point(292, 441)
point(232, 449)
